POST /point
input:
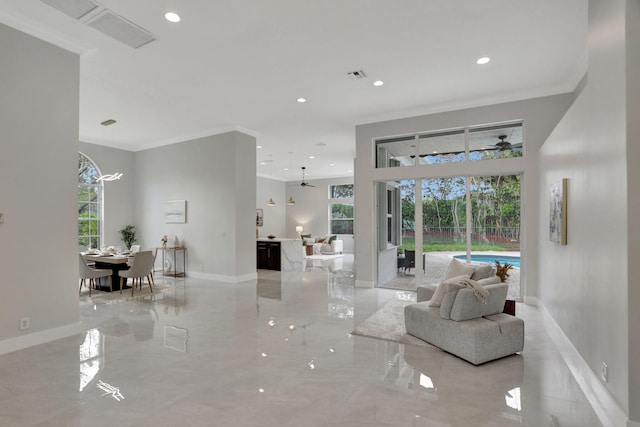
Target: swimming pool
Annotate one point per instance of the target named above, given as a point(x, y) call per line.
point(513, 260)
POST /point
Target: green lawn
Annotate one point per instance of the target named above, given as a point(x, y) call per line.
point(456, 247)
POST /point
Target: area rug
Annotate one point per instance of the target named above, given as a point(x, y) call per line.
point(100, 297)
point(388, 324)
point(323, 257)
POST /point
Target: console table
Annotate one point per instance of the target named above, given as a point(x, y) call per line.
point(172, 254)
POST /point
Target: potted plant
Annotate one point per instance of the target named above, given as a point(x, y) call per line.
point(502, 270)
point(128, 235)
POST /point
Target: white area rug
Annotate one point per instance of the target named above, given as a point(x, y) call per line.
point(388, 324)
point(323, 257)
point(100, 297)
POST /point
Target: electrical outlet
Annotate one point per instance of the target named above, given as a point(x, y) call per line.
point(24, 323)
point(605, 372)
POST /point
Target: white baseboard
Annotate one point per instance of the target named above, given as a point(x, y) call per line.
point(531, 300)
point(604, 405)
point(364, 284)
point(222, 277)
point(36, 338)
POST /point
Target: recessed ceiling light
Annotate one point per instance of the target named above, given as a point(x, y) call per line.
point(312, 157)
point(301, 100)
point(286, 169)
point(332, 164)
point(172, 17)
point(378, 83)
point(263, 163)
point(259, 146)
point(349, 171)
point(483, 60)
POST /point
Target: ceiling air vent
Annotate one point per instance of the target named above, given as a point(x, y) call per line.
point(74, 8)
point(121, 29)
point(356, 75)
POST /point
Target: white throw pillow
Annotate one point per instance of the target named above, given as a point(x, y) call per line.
point(482, 271)
point(445, 287)
point(457, 268)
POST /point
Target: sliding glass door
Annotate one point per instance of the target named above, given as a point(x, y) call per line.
point(472, 218)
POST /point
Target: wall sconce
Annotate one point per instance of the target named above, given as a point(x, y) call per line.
point(291, 202)
point(270, 202)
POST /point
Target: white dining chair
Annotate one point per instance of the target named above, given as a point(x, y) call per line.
point(141, 266)
point(134, 248)
point(87, 272)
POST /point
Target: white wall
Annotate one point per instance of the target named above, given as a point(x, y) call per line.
point(216, 176)
point(39, 92)
point(118, 195)
point(540, 115)
point(312, 209)
point(273, 216)
point(585, 284)
point(633, 201)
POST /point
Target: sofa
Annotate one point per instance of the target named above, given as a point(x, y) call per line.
point(454, 318)
point(326, 245)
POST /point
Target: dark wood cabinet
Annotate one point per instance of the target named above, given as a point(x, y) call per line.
point(268, 256)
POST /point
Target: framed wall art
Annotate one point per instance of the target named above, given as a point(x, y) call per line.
point(558, 212)
point(259, 218)
point(175, 211)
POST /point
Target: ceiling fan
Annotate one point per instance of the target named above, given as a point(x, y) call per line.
point(505, 145)
point(304, 183)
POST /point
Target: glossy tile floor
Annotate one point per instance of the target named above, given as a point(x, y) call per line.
point(278, 353)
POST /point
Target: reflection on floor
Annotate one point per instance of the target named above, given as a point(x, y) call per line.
point(275, 353)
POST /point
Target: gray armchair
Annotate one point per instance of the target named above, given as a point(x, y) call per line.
point(141, 267)
point(87, 272)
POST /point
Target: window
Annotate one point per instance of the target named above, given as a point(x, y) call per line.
point(341, 218)
point(89, 203)
point(344, 191)
point(389, 209)
point(487, 142)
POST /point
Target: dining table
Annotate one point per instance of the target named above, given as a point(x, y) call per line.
point(114, 262)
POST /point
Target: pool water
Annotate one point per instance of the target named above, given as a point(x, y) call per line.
point(513, 260)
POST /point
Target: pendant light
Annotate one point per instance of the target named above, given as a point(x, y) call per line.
point(270, 202)
point(291, 202)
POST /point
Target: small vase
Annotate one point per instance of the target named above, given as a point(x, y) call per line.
point(176, 242)
point(164, 245)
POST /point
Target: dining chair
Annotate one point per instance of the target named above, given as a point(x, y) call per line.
point(134, 248)
point(87, 272)
point(141, 266)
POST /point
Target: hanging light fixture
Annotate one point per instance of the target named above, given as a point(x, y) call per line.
point(291, 202)
point(270, 202)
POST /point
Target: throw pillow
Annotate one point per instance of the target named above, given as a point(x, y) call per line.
point(306, 236)
point(457, 268)
point(445, 287)
point(482, 272)
point(320, 239)
point(309, 241)
point(332, 238)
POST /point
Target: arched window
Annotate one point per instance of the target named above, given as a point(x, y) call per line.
point(89, 203)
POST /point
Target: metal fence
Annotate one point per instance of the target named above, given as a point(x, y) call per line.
point(496, 235)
